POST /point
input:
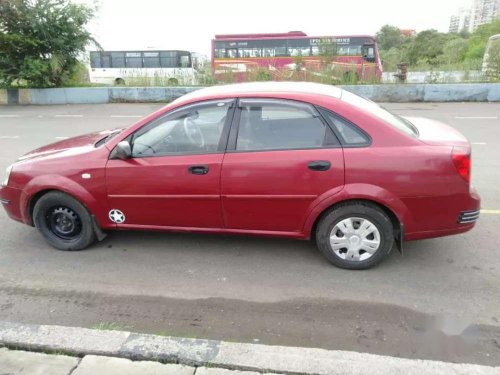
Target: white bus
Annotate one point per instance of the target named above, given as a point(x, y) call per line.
point(139, 68)
point(486, 57)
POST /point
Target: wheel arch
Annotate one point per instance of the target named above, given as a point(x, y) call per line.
point(390, 203)
point(42, 185)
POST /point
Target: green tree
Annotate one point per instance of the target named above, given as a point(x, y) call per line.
point(454, 50)
point(427, 46)
point(389, 37)
point(479, 39)
point(40, 40)
point(391, 58)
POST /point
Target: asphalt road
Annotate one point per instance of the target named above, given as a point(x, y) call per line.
point(440, 300)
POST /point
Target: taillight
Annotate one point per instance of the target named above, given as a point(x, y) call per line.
point(461, 159)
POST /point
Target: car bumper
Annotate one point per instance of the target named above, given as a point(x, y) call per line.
point(463, 216)
point(10, 199)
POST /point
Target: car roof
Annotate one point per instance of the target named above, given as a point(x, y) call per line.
point(262, 88)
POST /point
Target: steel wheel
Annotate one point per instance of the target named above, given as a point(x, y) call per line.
point(355, 239)
point(64, 223)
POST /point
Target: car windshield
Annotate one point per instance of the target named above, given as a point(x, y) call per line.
point(395, 121)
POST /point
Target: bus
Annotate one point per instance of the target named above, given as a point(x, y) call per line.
point(137, 68)
point(283, 55)
point(491, 41)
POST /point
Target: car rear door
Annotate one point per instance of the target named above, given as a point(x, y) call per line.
point(281, 158)
point(173, 177)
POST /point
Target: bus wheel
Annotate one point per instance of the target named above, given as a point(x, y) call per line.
point(173, 82)
point(119, 82)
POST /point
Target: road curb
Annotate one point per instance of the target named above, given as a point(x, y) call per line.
point(235, 356)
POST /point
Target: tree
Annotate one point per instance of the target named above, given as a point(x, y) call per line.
point(427, 46)
point(454, 50)
point(479, 39)
point(389, 37)
point(40, 40)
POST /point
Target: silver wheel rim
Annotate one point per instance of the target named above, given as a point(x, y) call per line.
point(355, 239)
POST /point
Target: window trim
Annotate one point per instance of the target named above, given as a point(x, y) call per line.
point(235, 128)
point(159, 120)
point(324, 111)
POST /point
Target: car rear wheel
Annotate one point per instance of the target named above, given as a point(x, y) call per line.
point(63, 221)
point(355, 235)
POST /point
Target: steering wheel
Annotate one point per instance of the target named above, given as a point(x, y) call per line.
point(193, 132)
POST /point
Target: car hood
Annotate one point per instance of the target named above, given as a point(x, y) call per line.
point(437, 133)
point(69, 146)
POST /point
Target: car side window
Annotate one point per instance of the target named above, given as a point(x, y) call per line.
point(196, 129)
point(277, 125)
point(349, 134)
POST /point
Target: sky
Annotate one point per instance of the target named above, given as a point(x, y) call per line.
point(191, 24)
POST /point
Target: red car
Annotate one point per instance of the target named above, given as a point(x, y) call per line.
point(286, 159)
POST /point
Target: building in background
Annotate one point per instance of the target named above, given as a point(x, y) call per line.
point(483, 11)
point(460, 21)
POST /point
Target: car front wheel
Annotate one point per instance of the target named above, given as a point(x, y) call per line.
point(63, 221)
point(355, 235)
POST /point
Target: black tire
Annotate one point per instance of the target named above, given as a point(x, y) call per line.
point(173, 82)
point(54, 206)
point(355, 210)
point(119, 82)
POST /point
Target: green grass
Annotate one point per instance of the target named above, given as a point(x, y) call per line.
point(111, 326)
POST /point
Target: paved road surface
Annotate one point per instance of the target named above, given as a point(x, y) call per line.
point(440, 300)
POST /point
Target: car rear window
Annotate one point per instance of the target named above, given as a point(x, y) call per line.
point(390, 118)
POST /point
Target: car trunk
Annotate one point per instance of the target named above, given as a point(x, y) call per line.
point(436, 133)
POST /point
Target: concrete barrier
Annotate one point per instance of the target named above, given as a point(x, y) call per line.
point(460, 92)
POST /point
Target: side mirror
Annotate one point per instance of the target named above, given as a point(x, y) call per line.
point(122, 151)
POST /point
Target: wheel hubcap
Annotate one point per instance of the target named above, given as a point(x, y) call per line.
point(355, 239)
point(64, 223)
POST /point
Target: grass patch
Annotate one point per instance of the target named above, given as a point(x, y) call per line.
point(111, 326)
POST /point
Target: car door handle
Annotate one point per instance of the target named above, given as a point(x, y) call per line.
point(198, 169)
point(319, 165)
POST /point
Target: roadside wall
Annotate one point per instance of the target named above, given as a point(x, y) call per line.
point(436, 77)
point(460, 92)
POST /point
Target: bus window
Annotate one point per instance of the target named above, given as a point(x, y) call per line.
point(168, 59)
point(220, 53)
point(95, 60)
point(117, 59)
point(280, 51)
point(268, 52)
point(184, 61)
point(368, 53)
point(151, 59)
point(105, 60)
point(134, 60)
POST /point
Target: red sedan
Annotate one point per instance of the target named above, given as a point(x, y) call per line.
point(295, 160)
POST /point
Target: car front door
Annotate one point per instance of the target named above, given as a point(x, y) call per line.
point(173, 177)
point(281, 158)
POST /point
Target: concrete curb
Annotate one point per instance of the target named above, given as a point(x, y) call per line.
point(193, 352)
point(459, 92)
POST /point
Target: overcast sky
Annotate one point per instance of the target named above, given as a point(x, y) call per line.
point(191, 24)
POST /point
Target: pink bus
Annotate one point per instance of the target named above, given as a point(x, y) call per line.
point(294, 55)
